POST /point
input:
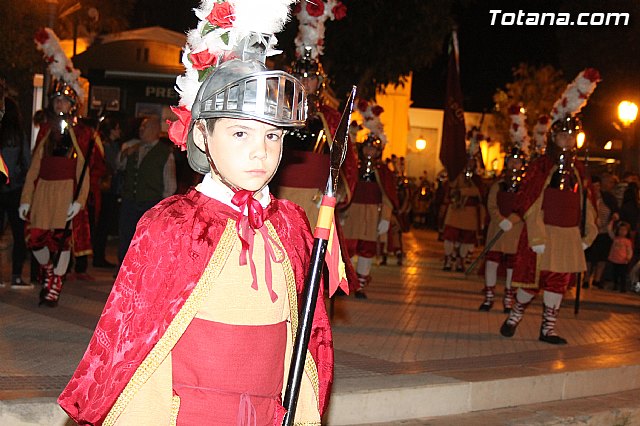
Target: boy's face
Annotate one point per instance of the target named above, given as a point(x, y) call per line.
point(246, 152)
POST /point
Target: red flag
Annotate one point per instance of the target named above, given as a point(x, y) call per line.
point(453, 151)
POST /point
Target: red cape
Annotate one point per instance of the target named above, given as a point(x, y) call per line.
point(169, 252)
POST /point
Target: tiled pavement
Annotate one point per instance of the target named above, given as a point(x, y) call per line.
point(416, 348)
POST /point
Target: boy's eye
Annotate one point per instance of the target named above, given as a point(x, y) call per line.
point(239, 134)
point(274, 136)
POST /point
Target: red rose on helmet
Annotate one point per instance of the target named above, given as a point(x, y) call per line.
point(221, 15)
point(339, 11)
point(592, 74)
point(203, 59)
point(42, 36)
point(179, 129)
point(315, 8)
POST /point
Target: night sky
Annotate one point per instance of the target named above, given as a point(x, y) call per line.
point(489, 53)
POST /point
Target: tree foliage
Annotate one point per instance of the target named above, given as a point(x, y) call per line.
point(535, 88)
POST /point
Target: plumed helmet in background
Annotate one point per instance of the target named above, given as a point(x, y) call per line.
point(518, 134)
point(65, 76)
point(564, 113)
point(309, 41)
point(226, 75)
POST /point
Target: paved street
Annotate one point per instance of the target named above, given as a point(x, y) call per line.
point(419, 328)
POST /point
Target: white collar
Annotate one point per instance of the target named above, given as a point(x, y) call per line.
point(218, 191)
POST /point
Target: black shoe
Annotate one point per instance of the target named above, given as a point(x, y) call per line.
point(18, 284)
point(506, 310)
point(459, 269)
point(486, 306)
point(554, 340)
point(598, 284)
point(508, 330)
point(360, 294)
point(446, 268)
point(585, 285)
point(103, 263)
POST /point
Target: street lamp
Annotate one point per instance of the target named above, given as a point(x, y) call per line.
point(421, 143)
point(627, 113)
point(580, 138)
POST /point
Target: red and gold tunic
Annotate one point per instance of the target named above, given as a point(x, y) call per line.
point(50, 184)
point(553, 218)
point(128, 366)
point(465, 210)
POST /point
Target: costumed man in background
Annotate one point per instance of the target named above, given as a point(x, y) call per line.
point(302, 177)
point(214, 275)
point(367, 219)
point(47, 202)
point(500, 207)
point(554, 201)
point(465, 217)
point(400, 220)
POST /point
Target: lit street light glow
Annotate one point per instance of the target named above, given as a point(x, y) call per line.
point(627, 112)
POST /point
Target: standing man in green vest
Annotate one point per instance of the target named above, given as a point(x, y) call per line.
point(149, 176)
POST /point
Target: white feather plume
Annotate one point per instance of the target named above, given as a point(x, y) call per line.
point(262, 16)
point(576, 94)
point(518, 129)
point(311, 29)
point(60, 66)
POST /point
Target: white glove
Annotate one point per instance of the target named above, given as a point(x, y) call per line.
point(584, 246)
point(23, 210)
point(383, 227)
point(505, 225)
point(73, 210)
point(538, 248)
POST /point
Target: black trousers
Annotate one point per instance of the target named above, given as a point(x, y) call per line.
point(9, 203)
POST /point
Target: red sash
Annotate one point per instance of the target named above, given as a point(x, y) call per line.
point(302, 169)
point(229, 374)
point(561, 208)
point(57, 168)
point(505, 201)
point(367, 193)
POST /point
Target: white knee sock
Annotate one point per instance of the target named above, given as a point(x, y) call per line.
point(552, 300)
point(508, 278)
point(42, 256)
point(490, 273)
point(448, 248)
point(364, 265)
point(524, 297)
point(465, 249)
point(63, 263)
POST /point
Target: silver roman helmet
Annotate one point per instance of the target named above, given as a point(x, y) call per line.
point(244, 88)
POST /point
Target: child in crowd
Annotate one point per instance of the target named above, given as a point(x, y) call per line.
point(620, 254)
point(200, 324)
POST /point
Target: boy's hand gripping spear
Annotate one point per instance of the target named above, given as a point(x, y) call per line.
point(312, 284)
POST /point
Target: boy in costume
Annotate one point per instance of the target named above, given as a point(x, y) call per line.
point(500, 207)
point(559, 216)
point(199, 326)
